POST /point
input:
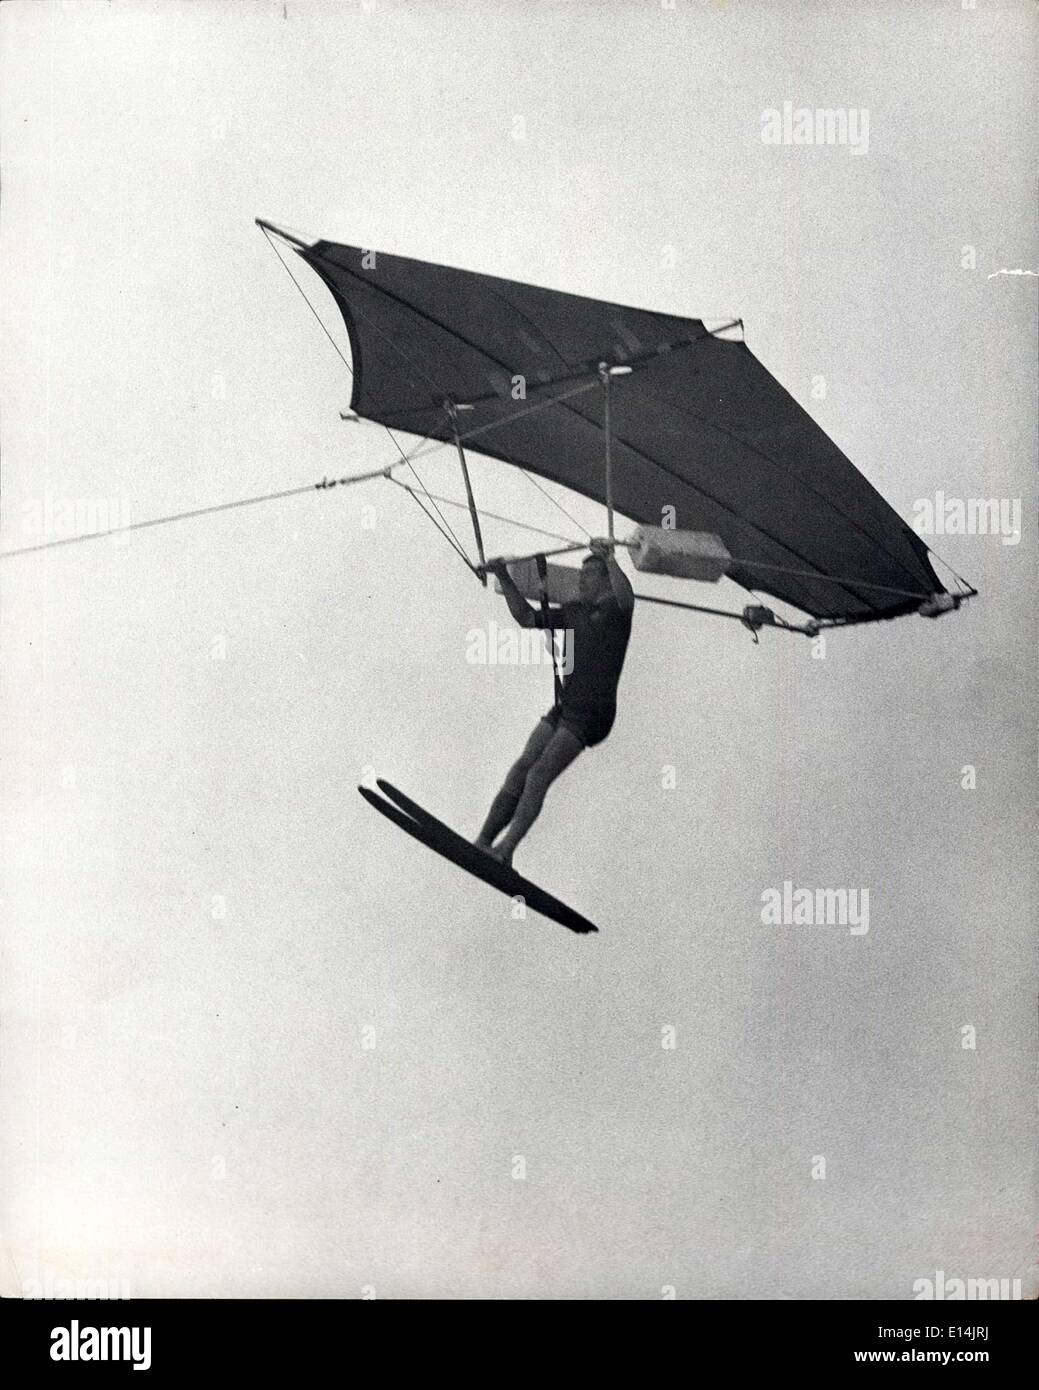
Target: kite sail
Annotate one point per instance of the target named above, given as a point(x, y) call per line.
point(695, 430)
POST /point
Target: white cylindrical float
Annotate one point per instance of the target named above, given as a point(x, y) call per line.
point(683, 554)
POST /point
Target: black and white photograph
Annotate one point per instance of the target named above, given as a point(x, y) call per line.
point(518, 677)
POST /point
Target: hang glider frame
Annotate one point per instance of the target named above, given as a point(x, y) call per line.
point(753, 617)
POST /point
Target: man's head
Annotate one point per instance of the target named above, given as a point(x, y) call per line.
point(595, 579)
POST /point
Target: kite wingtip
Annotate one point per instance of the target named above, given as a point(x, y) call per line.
point(266, 226)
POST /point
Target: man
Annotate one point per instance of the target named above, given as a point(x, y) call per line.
point(600, 624)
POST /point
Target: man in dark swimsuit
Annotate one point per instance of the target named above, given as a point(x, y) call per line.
point(599, 624)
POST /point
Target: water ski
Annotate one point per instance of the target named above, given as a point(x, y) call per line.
point(435, 835)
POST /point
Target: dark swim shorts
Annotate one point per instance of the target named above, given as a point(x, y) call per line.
point(589, 723)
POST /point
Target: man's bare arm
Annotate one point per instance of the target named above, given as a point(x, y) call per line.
point(520, 609)
point(622, 590)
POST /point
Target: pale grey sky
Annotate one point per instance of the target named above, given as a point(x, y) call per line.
point(188, 1100)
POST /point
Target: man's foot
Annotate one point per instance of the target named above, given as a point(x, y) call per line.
point(503, 856)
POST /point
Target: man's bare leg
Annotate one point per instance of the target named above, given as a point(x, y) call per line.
point(562, 749)
point(503, 807)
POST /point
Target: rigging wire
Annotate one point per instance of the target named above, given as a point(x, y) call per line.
point(447, 526)
point(819, 577)
point(466, 435)
point(324, 485)
point(160, 520)
point(443, 526)
point(428, 439)
point(531, 479)
point(967, 590)
point(338, 350)
point(447, 534)
point(491, 516)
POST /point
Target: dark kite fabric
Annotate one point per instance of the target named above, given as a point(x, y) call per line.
point(700, 426)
